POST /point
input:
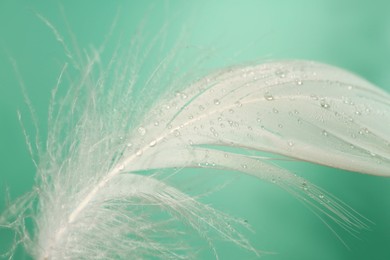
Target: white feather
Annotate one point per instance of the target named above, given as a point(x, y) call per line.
point(96, 198)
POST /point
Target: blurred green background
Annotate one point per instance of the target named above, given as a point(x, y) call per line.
point(351, 34)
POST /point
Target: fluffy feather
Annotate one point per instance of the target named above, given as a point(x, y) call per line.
point(99, 190)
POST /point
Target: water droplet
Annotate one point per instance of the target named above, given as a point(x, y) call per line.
point(268, 96)
point(324, 133)
point(324, 104)
point(121, 167)
point(141, 130)
point(258, 119)
point(290, 143)
point(275, 110)
point(153, 143)
point(212, 129)
point(176, 132)
point(280, 73)
point(231, 111)
point(201, 108)
point(156, 123)
point(299, 82)
point(238, 104)
point(139, 152)
point(304, 186)
point(321, 196)
point(244, 166)
point(181, 95)
point(280, 125)
point(217, 102)
point(129, 145)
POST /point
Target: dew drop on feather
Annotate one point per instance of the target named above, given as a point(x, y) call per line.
point(268, 96)
point(141, 130)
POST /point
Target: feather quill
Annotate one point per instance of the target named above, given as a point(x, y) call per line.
point(100, 194)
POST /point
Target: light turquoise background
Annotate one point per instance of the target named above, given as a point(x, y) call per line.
point(350, 34)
